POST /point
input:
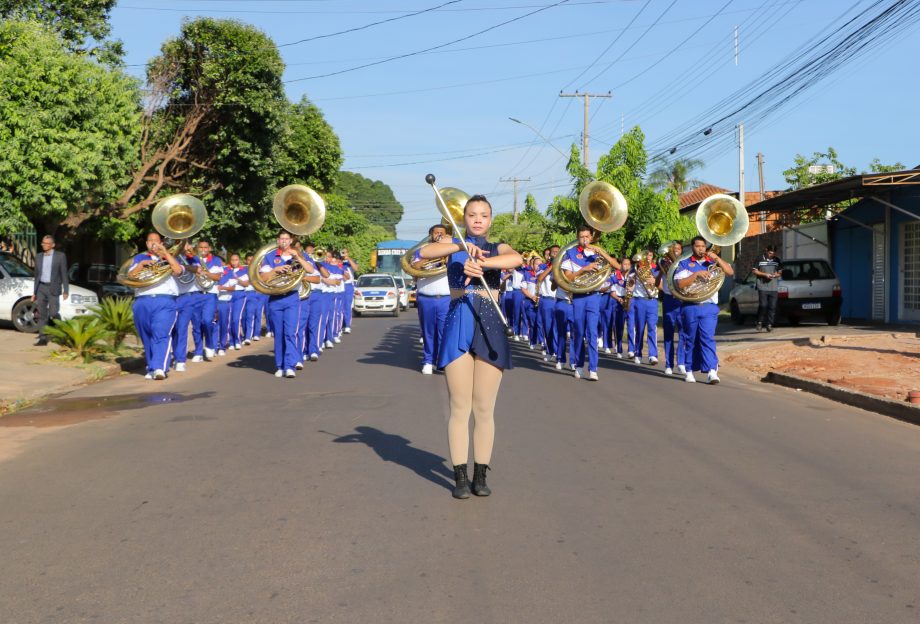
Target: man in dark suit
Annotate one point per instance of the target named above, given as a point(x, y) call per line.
point(50, 281)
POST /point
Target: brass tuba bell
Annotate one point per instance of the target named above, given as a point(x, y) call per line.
point(177, 217)
point(455, 199)
point(604, 208)
point(301, 211)
point(723, 221)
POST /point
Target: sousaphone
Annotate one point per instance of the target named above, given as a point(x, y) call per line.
point(603, 207)
point(455, 199)
point(301, 211)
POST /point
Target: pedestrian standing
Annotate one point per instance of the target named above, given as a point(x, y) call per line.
point(768, 270)
point(50, 284)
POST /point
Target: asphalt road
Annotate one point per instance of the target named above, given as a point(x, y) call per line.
point(246, 498)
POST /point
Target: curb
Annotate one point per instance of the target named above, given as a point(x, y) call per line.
point(886, 407)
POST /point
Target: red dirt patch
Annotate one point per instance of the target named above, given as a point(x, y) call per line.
point(884, 365)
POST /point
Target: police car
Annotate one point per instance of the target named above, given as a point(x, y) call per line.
point(376, 292)
point(808, 289)
point(17, 283)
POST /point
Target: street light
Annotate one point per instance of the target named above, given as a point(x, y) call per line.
point(537, 132)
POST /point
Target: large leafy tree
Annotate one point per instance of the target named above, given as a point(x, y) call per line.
point(310, 152)
point(372, 198)
point(675, 175)
point(68, 129)
point(802, 174)
point(82, 24)
point(344, 227)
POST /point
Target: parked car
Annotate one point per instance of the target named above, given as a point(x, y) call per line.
point(808, 288)
point(100, 278)
point(413, 299)
point(17, 283)
point(403, 293)
point(376, 292)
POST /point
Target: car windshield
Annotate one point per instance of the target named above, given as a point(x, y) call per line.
point(375, 281)
point(806, 270)
point(14, 266)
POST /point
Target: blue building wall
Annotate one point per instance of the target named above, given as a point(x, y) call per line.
point(851, 252)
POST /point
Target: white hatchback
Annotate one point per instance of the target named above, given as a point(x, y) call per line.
point(376, 292)
point(16, 287)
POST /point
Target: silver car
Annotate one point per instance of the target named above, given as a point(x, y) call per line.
point(808, 288)
point(376, 292)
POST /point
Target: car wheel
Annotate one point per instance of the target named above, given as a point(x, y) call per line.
point(355, 313)
point(25, 316)
point(737, 317)
point(833, 317)
point(395, 312)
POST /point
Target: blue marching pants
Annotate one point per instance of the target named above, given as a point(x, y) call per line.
point(506, 307)
point(698, 333)
point(315, 325)
point(339, 314)
point(516, 320)
point(671, 322)
point(249, 314)
point(285, 314)
point(563, 320)
point(237, 310)
point(188, 312)
point(618, 321)
point(605, 319)
point(432, 317)
point(646, 323)
point(349, 300)
point(209, 321)
point(154, 319)
point(303, 325)
point(585, 309)
point(223, 324)
point(330, 316)
point(546, 312)
point(530, 315)
point(631, 327)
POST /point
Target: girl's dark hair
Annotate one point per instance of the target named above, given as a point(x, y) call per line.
point(697, 238)
point(477, 198)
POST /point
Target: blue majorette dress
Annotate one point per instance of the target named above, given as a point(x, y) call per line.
point(473, 326)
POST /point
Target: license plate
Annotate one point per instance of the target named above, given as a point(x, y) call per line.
point(811, 306)
point(374, 305)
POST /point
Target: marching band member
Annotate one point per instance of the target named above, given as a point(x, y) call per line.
point(562, 320)
point(585, 306)
point(670, 307)
point(698, 320)
point(284, 309)
point(646, 313)
point(475, 350)
point(237, 281)
point(154, 308)
point(334, 300)
point(189, 314)
point(505, 300)
point(351, 275)
point(605, 313)
point(546, 309)
point(618, 315)
point(212, 265)
point(312, 276)
point(530, 301)
point(252, 313)
point(314, 309)
point(432, 296)
point(517, 303)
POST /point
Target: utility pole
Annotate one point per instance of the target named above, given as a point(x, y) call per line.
point(741, 163)
point(763, 194)
point(514, 181)
point(584, 135)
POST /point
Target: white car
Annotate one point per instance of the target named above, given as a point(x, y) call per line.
point(16, 287)
point(403, 293)
point(376, 292)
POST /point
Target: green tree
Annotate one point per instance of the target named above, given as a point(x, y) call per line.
point(68, 129)
point(77, 21)
point(529, 233)
point(310, 149)
point(347, 228)
point(654, 216)
point(876, 166)
point(372, 198)
point(530, 205)
point(798, 176)
point(675, 175)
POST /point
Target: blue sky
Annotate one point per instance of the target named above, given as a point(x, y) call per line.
point(666, 62)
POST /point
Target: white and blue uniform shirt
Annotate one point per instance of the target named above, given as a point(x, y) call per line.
point(228, 278)
point(618, 283)
point(212, 265)
point(277, 259)
point(576, 258)
point(313, 271)
point(529, 281)
point(517, 278)
point(249, 286)
point(336, 273)
point(546, 286)
point(169, 286)
point(436, 286)
point(641, 292)
point(691, 265)
point(185, 283)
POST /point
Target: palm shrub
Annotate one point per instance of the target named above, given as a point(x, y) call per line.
point(116, 316)
point(85, 335)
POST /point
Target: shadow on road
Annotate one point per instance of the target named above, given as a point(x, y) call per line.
point(264, 362)
point(399, 347)
point(398, 450)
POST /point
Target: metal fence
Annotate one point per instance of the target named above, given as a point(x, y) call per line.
point(23, 245)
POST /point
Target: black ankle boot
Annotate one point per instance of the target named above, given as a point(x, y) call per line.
point(462, 489)
point(479, 480)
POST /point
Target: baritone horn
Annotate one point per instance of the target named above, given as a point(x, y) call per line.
point(603, 208)
point(455, 202)
point(723, 221)
point(177, 217)
point(301, 211)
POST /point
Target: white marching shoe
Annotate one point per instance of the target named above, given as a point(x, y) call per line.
point(221, 352)
point(713, 377)
point(592, 376)
point(690, 378)
point(159, 374)
point(329, 344)
point(630, 354)
point(668, 371)
point(256, 338)
point(289, 373)
point(279, 373)
point(637, 360)
point(299, 365)
point(682, 369)
point(180, 367)
point(314, 357)
point(600, 343)
point(428, 369)
point(558, 365)
point(578, 373)
point(347, 330)
point(148, 376)
point(197, 358)
point(208, 353)
point(337, 340)
point(607, 352)
point(653, 361)
point(619, 356)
